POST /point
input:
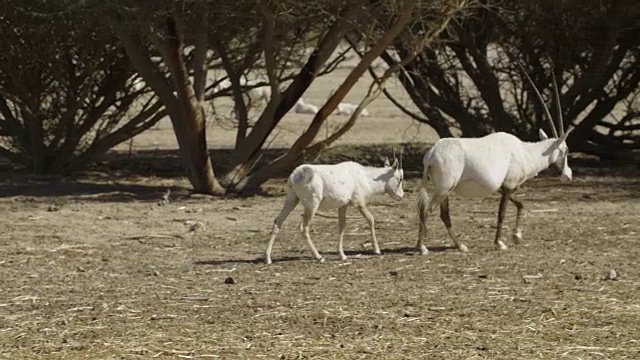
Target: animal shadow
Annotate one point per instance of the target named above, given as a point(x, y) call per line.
point(353, 255)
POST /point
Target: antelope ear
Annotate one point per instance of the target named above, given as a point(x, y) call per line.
point(386, 161)
point(395, 164)
point(542, 134)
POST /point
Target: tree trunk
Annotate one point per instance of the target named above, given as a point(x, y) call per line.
point(297, 151)
point(245, 157)
point(185, 111)
point(36, 142)
point(191, 118)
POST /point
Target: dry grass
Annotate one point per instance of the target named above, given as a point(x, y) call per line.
point(111, 275)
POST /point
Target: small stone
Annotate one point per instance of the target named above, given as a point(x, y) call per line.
point(229, 280)
point(577, 276)
point(53, 207)
point(411, 313)
point(612, 275)
point(393, 273)
point(194, 225)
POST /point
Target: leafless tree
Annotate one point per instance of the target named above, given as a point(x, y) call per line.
point(172, 47)
point(241, 35)
point(469, 85)
point(67, 91)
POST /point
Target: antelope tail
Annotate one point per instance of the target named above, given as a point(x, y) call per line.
point(423, 211)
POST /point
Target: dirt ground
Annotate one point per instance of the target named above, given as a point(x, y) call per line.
point(95, 267)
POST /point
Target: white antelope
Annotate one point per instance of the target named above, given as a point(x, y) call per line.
point(476, 167)
point(260, 93)
point(348, 109)
point(305, 108)
point(255, 93)
point(337, 186)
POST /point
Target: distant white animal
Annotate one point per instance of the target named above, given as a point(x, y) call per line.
point(225, 84)
point(337, 186)
point(476, 167)
point(260, 93)
point(348, 109)
point(305, 108)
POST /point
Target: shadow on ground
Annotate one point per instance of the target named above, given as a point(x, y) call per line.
point(117, 178)
point(86, 190)
point(410, 251)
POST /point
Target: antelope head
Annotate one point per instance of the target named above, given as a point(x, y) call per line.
point(559, 151)
point(393, 187)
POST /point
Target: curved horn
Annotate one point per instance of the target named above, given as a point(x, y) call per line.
point(556, 91)
point(401, 151)
point(544, 106)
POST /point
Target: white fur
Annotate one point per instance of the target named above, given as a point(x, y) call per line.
point(305, 108)
point(259, 93)
point(477, 167)
point(348, 109)
point(337, 186)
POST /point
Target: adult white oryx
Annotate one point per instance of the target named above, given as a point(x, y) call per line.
point(337, 186)
point(476, 167)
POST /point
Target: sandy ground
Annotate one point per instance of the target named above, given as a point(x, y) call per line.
point(374, 129)
point(95, 268)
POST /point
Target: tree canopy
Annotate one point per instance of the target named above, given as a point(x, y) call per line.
point(79, 77)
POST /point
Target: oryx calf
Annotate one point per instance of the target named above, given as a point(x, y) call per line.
point(337, 186)
point(476, 167)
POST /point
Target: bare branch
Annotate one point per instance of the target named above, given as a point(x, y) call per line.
point(142, 62)
point(378, 85)
point(201, 46)
point(395, 101)
point(269, 49)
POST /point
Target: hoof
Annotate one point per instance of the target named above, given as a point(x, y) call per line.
point(267, 261)
point(378, 252)
point(463, 248)
point(501, 245)
point(517, 236)
point(423, 250)
point(342, 257)
point(321, 260)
